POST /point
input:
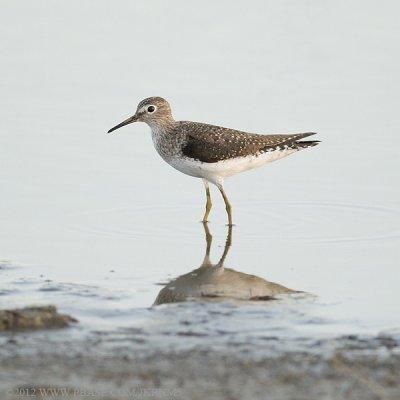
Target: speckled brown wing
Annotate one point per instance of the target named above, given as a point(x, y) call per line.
point(210, 143)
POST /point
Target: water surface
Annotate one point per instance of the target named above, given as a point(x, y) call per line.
point(97, 223)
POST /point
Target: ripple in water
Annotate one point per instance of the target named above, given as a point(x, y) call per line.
point(313, 222)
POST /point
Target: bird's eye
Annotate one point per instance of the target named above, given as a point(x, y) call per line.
point(151, 109)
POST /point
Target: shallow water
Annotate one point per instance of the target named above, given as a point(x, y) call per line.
point(96, 223)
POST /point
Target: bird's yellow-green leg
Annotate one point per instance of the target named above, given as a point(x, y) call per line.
point(208, 202)
point(228, 206)
point(228, 244)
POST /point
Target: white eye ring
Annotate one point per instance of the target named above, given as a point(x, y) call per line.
point(150, 109)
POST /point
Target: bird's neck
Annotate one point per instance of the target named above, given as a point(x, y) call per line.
point(162, 125)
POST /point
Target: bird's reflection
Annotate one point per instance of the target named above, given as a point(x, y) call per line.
point(215, 281)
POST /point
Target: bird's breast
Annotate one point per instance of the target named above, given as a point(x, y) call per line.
point(168, 145)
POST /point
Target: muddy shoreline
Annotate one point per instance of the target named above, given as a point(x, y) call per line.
point(100, 367)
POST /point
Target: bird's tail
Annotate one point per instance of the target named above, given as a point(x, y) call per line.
point(306, 143)
point(296, 141)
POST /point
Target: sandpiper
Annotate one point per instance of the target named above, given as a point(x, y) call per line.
point(211, 152)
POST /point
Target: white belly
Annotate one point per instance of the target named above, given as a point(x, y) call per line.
point(217, 172)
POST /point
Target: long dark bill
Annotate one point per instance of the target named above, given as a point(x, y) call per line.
point(123, 123)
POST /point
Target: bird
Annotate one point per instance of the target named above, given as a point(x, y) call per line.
point(215, 281)
point(212, 153)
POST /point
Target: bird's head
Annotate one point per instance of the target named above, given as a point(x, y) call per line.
point(154, 111)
